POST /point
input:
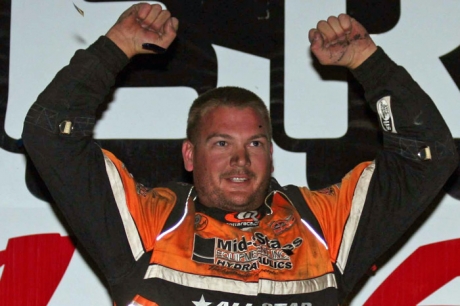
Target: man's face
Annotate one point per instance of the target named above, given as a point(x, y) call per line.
point(231, 159)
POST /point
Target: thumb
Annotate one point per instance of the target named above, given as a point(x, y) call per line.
point(316, 39)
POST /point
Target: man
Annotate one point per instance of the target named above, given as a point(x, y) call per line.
point(236, 237)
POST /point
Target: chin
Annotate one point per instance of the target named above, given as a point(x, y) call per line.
point(241, 204)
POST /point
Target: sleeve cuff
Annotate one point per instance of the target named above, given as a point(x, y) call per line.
point(113, 59)
point(371, 72)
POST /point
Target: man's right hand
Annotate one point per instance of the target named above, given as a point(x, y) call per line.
point(143, 23)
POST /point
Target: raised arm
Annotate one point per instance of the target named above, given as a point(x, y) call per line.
point(58, 133)
point(418, 157)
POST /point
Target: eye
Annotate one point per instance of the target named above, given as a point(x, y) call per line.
point(221, 143)
point(256, 143)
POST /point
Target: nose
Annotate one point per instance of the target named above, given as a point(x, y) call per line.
point(240, 158)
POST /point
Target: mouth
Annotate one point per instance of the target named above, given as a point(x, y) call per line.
point(238, 179)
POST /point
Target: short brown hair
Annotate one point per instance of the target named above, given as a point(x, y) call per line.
point(224, 96)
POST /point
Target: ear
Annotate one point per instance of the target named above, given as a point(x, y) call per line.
point(187, 155)
point(271, 156)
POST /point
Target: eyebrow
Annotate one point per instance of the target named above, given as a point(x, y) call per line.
point(257, 136)
point(226, 136)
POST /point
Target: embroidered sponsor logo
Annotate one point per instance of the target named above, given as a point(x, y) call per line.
point(142, 190)
point(280, 226)
point(385, 114)
point(245, 254)
point(203, 302)
point(247, 218)
point(200, 222)
point(327, 191)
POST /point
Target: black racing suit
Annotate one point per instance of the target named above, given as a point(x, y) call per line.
point(161, 247)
